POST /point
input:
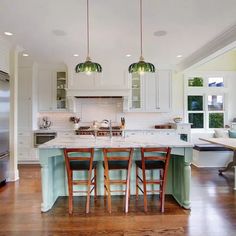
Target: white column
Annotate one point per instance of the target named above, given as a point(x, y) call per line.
point(13, 174)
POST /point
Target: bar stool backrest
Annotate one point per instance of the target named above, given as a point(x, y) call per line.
point(117, 154)
point(160, 153)
point(77, 155)
point(156, 154)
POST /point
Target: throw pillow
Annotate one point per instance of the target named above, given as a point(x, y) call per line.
point(221, 133)
point(232, 133)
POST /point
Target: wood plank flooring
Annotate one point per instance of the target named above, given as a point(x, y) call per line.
point(213, 210)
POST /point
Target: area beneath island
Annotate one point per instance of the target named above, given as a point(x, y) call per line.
point(54, 180)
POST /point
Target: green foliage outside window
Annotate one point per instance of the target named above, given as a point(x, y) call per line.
point(195, 103)
point(195, 82)
point(216, 120)
point(196, 119)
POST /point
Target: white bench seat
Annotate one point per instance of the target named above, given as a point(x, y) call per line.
point(211, 155)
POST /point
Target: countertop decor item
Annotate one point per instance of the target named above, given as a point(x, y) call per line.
point(177, 119)
point(88, 66)
point(75, 119)
point(141, 66)
point(45, 123)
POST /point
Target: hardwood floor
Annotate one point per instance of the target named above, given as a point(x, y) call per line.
point(213, 210)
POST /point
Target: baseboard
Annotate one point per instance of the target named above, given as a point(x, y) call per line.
point(194, 164)
point(28, 162)
point(13, 176)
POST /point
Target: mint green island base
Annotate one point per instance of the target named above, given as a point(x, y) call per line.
point(54, 179)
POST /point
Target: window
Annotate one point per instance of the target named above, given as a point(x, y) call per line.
point(195, 82)
point(205, 101)
point(215, 82)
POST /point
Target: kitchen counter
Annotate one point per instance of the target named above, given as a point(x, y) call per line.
point(53, 171)
point(137, 141)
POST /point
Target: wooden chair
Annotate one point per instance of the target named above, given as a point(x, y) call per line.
point(153, 159)
point(117, 159)
point(80, 159)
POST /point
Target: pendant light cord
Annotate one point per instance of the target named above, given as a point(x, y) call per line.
point(141, 28)
point(87, 28)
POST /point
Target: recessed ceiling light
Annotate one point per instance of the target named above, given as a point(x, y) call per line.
point(160, 33)
point(76, 55)
point(128, 55)
point(179, 56)
point(8, 33)
point(25, 55)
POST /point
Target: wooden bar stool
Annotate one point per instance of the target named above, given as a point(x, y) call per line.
point(153, 159)
point(117, 159)
point(80, 159)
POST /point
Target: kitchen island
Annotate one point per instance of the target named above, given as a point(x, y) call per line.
point(53, 172)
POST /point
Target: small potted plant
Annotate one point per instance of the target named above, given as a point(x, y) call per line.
point(76, 121)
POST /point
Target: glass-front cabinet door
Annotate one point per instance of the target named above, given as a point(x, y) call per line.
point(136, 92)
point(61, 92)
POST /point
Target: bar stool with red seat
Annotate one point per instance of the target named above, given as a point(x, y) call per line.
point(117, 159)
point(153, 159)
point(80, 159)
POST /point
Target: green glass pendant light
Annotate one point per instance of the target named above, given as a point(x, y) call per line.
point(88, 66)
point(141, 66)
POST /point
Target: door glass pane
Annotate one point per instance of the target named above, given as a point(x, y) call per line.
point(195, 103)
point(215, 82)
point(61, 92)
point(215, 103)
point(216, 120)
point(136, 91)
point(196, 119)
point(195, 82)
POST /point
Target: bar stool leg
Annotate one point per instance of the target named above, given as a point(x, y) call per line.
point(127, 188)
point(144, 190)
point(107, 186)
point(104, 186)
point(70, 189)
point(136, 182)
point(88, 192)
point(95, 183)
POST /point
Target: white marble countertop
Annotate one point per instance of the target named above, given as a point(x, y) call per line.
point(127, 129)
point(52, 130)
point(137, 141)
point(149, 129)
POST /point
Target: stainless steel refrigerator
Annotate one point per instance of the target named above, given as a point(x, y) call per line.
point(4, 125)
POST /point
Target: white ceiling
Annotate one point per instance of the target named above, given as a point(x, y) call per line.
point(114, 28)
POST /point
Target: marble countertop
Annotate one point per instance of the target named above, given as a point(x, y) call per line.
point(127, 129)
point(52, 130)
point(137, 141)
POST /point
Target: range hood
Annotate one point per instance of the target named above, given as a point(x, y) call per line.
point(73, 94)
point(97, 92)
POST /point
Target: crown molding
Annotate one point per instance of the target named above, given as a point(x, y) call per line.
point(221, 44)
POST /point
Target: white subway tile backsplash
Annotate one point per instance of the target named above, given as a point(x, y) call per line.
point(60, 120)
point(90, 109)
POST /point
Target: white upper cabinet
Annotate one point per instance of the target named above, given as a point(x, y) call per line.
point(51, 90)
point(46, 90)
point(164, 90)
point(150, 92)
point(25, 98)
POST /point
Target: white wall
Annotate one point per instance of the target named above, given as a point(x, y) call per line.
point(4, 55)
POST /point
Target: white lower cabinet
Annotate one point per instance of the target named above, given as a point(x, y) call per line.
point(150, 92)
point(183, 130)
point(26, 152)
